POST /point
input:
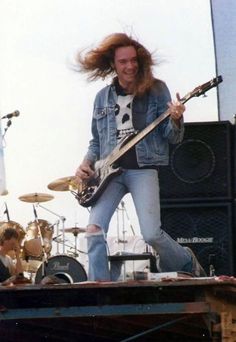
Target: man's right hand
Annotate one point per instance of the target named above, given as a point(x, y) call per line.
point(84, 171)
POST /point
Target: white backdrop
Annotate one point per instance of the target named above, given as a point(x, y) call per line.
point(38, 43)
point(224, 18)
point(2, 167)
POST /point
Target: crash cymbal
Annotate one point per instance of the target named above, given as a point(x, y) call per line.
point(64, 184)
point(36, 197)
point(74, 230)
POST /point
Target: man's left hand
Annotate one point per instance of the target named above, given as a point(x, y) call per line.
point(176, 109)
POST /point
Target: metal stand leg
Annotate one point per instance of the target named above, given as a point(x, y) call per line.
point(62, 219)
point(45, 257)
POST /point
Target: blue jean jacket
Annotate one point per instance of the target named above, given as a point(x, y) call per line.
point(154, 148)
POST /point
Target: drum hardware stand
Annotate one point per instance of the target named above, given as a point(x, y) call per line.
point(62, 219)
point(76, 254)
point(45, 257)
point(60, 241)
point(57, 233)
point(131, 227)
point(76, 244)
point(75, 194)
point(75, 248)
point(127, 217)
point(124, 212)
point(123, 240)
point(123, 232)
point(123, 225)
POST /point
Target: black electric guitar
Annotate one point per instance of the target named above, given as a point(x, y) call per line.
point(105, 169)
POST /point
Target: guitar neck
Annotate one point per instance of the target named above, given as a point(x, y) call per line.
point(142, 134)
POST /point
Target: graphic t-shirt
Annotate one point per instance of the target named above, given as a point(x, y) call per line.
point(127, 122)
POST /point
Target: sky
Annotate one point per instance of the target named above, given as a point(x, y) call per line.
point(38, 43)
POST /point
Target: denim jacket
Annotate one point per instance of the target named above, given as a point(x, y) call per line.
point(154, 148)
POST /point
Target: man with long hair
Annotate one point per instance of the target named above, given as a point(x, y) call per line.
point(133, 100)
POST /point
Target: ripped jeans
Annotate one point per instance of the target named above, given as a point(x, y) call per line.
point(143, 185)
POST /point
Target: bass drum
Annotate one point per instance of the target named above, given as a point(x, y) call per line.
point(67, 269)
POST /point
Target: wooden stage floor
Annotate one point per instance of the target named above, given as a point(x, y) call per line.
point(197, 309)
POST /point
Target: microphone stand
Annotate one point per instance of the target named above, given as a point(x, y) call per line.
point(62, 218)
point(45, 257)
point(9, 122)
point(7, 212)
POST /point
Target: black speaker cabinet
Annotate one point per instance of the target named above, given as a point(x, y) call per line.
point(200, 166)
point(206, 229)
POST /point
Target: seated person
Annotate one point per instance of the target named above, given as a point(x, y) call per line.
point(8, 242)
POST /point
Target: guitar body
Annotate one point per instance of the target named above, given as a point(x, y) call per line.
point(92, 189)
point(106, 169)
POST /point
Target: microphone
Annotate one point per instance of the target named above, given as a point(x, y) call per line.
point(11, 115)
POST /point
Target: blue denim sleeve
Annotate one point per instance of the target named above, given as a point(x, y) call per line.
point(94, 146)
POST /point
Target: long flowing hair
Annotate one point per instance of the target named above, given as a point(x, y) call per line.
point(98, 62)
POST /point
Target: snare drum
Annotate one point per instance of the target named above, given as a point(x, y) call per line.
point(67, 269)
point(32, 243)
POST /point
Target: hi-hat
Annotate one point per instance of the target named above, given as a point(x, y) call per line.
point(64, 184)
point(36, 197)
point(75, 230)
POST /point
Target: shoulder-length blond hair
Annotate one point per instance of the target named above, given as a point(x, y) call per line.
point(98, 62)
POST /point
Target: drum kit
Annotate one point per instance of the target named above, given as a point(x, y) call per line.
point(36, 240)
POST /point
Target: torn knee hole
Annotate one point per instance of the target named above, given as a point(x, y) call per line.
point(93, 230)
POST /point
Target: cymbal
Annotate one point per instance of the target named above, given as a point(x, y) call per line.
point(74, 230)
point(4, 193)
point(64, 184)
point(36, 197)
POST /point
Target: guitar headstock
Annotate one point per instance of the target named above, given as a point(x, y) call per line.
point(202, 89)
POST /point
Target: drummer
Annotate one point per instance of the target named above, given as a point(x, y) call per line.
point(8, 242)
